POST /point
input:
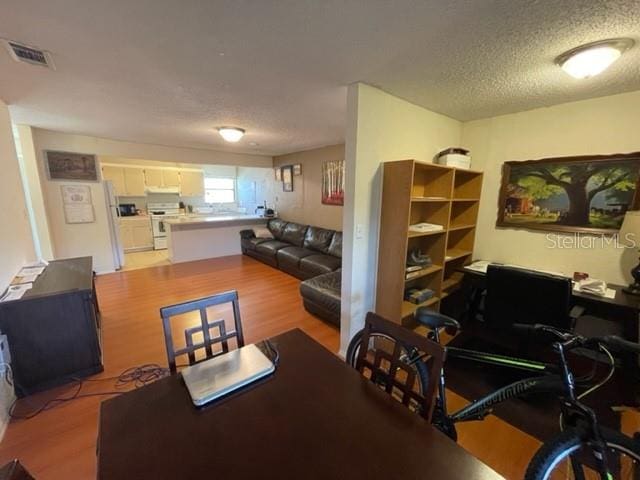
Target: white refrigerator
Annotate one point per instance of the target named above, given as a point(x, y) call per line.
point(113, 214)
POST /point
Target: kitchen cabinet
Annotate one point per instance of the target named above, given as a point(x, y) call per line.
point(116, 175)
point(191, 183)
point(136, 233)
point(161, 177)
point(134, 182)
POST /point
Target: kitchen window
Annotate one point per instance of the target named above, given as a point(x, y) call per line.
point(219, 190)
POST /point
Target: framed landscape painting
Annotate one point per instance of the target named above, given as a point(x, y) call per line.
point(71, 166)
point(589, 194)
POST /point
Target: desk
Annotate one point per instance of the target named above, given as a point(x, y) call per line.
point(315, 418)
point(622, 307)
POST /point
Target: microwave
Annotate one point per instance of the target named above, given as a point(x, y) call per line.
point(127, 209)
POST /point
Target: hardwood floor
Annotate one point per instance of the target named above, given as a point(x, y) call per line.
point(61, 443)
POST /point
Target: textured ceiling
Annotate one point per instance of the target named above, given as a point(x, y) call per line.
point(168, 72)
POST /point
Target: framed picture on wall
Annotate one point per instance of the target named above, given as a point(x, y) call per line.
point(278, 174)
point(588, 194)
point(297, 169)
point(71, 166)
point(287, 178)
point(333, 183)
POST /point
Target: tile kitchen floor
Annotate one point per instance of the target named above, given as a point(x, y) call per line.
point(150, 258)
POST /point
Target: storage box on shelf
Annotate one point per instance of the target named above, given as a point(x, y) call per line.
point(420, 192)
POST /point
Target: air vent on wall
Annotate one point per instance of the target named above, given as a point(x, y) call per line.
point(25, 53)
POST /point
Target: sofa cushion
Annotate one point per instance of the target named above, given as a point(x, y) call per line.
point(293, 255)
point(318, 239)
point(293, 233)
point(276, 226)
point(335, 247)
point(251, 243)
point(319, 264)
point(263, 232)
point(271, 247)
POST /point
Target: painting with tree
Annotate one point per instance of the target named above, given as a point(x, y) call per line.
point(570, 194)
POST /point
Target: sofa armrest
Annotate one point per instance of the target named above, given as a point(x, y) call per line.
point(245, 234)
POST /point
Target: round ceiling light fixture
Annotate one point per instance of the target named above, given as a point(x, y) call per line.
point(593, 58)
point(231, 134)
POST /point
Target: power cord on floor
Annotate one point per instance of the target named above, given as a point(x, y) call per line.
point(137, 376)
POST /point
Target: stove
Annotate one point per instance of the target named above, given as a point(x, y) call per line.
point(159, 213)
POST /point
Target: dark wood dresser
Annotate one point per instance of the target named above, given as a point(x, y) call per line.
point(53, 331)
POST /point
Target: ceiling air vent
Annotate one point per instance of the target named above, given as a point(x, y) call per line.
point(25, 53)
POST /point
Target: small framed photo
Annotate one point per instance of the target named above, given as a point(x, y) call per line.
point(278, 174)
point(297, 169)
point(287, 178)
point(71, 166)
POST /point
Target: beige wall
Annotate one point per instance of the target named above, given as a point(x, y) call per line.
point(304, 204)
point(15, 231)
point(380, 128)
point(598, 126)
point(130, 150)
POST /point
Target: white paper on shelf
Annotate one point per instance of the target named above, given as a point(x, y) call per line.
point(30, 271)
point(15, 292)
point(22, 279)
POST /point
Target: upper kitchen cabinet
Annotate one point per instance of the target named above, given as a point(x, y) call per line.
point(116, 176)
point(134, 182)
point(162, 177)
point(191, 183)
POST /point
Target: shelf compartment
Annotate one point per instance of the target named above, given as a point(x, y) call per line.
point(432, 245)
point(430, 199)
point(431, 181)
point(461, 239)
point(455, 253)
point(452, 282)
point(430, 212)
point(423, 273)
point(464, 213)
point(424, 234)
point(409, 308)
point(467, 184)
point(460, 227)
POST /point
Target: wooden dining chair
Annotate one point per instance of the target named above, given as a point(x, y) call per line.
point(209, 338)
point(384, 362)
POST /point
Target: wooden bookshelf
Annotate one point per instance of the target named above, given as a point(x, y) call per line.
point(415, 192)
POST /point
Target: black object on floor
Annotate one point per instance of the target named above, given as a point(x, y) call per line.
point(537, 414)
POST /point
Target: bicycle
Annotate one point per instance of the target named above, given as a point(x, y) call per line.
point(583, 449)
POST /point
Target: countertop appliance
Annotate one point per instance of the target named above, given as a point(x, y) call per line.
point(127, 209)
point(159, 213)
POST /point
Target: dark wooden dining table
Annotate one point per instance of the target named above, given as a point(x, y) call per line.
point(314, 418)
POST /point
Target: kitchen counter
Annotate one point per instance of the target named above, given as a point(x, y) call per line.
point(198, 237)
point(212, 221)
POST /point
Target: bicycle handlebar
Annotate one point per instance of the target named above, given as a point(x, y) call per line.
point(612, 341)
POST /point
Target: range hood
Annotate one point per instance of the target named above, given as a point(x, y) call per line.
point(149, 189)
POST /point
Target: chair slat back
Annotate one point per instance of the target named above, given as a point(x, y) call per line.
point(388, 367)
point(206, 328)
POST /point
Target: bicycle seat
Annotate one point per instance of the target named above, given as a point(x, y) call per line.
point(435, 320)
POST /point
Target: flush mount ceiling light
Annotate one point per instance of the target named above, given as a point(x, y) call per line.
point(231, 134)
point(593, 58)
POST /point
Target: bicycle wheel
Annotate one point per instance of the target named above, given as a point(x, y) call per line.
point(385, 342)
point(571, 456)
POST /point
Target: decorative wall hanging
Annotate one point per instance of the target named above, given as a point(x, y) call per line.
point(77, 203)
point(587, 194)
point(333, 182)
point(287, 178)
point(297, 169)
point(71, 166)
point(278, 173)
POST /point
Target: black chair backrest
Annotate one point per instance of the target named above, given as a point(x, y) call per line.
point(209, 338)
point(516, 295)
point(383, 363)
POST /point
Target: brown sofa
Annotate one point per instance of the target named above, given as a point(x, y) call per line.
point(310, 253)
